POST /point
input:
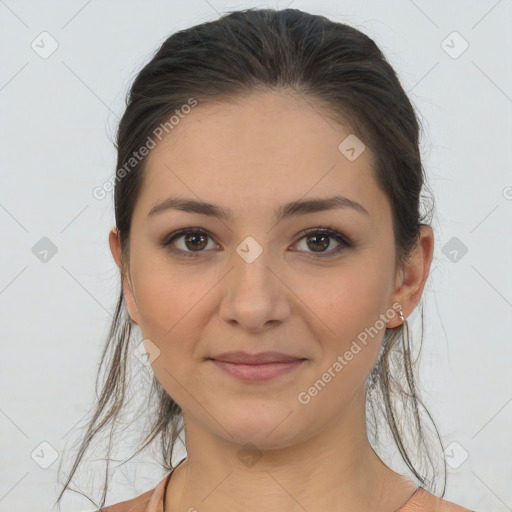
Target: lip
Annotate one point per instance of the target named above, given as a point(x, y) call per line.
point(262, 367)
point(257, 372)
point(259, 358)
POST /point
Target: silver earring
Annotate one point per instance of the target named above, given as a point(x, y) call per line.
point(401, 316)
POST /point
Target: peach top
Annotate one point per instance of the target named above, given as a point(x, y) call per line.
point(153, 501)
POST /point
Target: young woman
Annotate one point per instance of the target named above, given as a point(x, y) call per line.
point(271, 247)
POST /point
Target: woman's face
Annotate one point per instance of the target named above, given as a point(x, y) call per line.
point(252, 281)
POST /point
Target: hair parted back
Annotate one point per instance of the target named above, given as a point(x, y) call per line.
point(343, 74)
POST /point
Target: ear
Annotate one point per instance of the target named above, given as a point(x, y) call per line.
point(114, 241)
point(411, 278)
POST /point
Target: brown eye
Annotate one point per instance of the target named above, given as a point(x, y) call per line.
point(318, 242)
point(187, 242)
point(195, 241)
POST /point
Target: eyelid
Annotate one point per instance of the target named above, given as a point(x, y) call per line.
point(343, 241)
point(324, 229)
point(168, 240)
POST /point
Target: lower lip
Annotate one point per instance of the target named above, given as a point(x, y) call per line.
point(257, 372)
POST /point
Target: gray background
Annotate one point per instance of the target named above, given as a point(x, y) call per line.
point(58, 116)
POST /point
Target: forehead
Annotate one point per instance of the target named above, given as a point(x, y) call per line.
point(265, 148)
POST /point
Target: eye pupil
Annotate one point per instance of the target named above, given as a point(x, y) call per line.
point(193, 237)
point(315, 245)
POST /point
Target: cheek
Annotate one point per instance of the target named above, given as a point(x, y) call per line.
point(349, 301)
point(347, 318)
point(167, 295)
point(174, 303)
point(170, 317)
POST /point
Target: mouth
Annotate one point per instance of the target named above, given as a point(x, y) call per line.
point(256, 367)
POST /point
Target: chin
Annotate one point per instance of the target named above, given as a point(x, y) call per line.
point(262, 426)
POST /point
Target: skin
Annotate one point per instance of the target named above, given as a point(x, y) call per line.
point(251, 156)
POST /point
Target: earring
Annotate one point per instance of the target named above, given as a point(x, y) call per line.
point(401, 316)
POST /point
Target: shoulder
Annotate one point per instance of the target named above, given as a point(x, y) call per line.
point(138, 504)
point(150, 501)
point(424, 501)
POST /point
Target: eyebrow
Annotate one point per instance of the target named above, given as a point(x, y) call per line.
point(287, 210)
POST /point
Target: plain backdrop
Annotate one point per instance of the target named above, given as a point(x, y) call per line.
point(60, 100)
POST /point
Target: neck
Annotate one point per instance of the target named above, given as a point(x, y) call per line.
point(335, 470)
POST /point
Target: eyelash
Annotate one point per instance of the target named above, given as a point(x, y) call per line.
point(345, 242)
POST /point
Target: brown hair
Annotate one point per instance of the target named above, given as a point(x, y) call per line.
point(344, 73)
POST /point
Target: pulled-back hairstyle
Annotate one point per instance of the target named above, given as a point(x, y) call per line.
point(340, 71)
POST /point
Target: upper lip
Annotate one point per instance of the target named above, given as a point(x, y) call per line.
point(260, 358)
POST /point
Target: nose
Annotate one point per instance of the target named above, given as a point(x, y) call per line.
point(255, 296)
